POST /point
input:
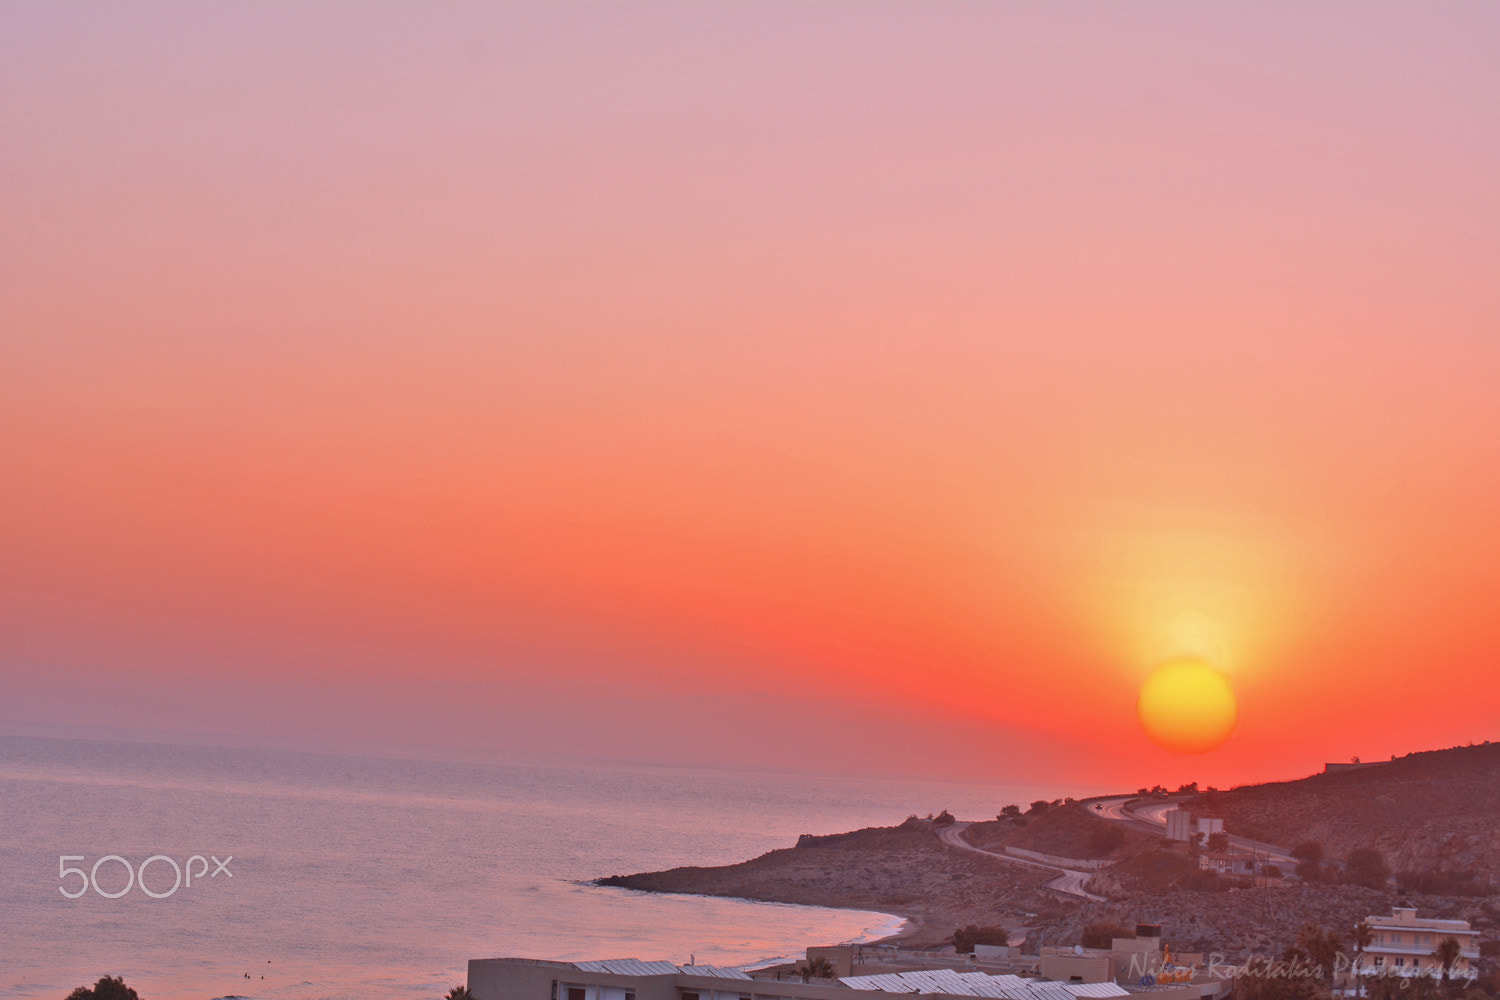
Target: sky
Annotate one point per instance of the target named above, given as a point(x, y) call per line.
point(846, 388)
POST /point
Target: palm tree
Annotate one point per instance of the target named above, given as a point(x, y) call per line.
point(459, 993)
point(1320, 947)
point(1449, 951)
point(1363, 935)
point(817, 968)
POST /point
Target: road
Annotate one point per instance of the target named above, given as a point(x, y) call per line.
point(1151, 817)
point(1067, 881)
point(1129, 810)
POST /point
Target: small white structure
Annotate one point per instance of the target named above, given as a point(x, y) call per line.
point(1228, 863)
point(1180, 825)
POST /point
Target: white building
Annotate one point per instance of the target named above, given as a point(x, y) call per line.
point(1406, 944)
point(1229, 863)
point(1180, 825)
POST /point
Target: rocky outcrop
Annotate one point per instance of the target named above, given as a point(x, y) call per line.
point(904, 870)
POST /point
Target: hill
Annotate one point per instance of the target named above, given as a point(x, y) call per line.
point(905, 870)
point(1433, 815)
point(1067, 831)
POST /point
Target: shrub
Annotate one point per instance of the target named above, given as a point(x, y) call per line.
point(965, 938)
point(1438, 882)
point(1308, 852)
point(1366, 866)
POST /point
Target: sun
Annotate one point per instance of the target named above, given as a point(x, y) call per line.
point(1187, 706)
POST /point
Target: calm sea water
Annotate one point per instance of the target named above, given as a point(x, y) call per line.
point(372, 877)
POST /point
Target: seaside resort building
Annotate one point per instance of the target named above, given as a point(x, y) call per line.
point(1405, 945)
point(1081, 975)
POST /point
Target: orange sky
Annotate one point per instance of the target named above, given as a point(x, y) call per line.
point(829, 388)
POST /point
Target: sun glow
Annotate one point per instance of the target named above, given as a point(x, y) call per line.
point(1187, 706)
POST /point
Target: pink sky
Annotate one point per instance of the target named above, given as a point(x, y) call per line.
point(838, 387)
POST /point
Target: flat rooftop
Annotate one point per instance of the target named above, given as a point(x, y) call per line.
point(938, 981)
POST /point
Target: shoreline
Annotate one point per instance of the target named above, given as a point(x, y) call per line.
point(903, 872)
point(889, 928)
point(882, 935)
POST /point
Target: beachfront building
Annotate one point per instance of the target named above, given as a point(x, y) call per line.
point(630, 979)
point(1406, 944)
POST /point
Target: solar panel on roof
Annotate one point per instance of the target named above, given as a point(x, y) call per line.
point(1005, 986)
point(1095, 989)
point(628, 967)
point(896, 982)
point(712, 970)
point(1050, 991)
point(862, 982)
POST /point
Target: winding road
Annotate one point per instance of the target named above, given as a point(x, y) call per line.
point(1068, 881)
point(1129, 810)
point(1151, 817)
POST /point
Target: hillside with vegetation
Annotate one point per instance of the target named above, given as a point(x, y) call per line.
point(1432, 819)
point(1062, 829)
point(1424, 828)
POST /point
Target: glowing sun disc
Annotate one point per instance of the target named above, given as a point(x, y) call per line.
point(1188, 707)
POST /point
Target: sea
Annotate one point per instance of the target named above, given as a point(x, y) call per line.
point(197, 872)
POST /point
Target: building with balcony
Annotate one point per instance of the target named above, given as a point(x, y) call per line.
point(1406, 945)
